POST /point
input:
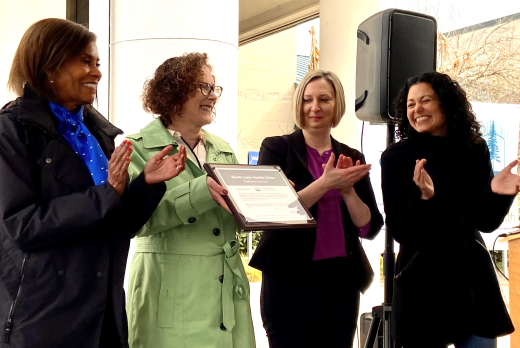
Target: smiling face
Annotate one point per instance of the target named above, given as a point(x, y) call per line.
point(424, 110)
point(76, 82)
point(198, 110)
point(318, 104)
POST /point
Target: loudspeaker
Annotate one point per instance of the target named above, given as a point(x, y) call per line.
point(392, 46)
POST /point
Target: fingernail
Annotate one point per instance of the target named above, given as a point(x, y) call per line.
point(128, 159)
point(225, 192)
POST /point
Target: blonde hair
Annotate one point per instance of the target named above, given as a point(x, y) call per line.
point(333, 79)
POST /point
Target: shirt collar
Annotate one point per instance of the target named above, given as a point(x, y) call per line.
point(176, 134)
point(65, 116)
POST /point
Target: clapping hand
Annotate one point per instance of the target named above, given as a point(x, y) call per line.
point(423, 180)
point(159, 169)
point(345, 175)
point(345, 162)
point(505, 182)
point(118, 166)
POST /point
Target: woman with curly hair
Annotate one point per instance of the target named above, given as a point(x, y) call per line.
point(187, 283)
point(439, 191)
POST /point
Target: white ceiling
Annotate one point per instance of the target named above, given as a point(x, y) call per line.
point(261, 18)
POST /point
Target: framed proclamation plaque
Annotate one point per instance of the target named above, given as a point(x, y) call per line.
point(260, 197)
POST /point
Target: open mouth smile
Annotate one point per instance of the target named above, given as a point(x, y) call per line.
point(420, 119)
point(91, 85)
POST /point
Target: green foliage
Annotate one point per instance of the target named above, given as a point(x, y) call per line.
point(242, 239)
point(498, 257)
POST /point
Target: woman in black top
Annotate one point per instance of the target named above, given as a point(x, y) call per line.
point(439, 192)
point(312, 277)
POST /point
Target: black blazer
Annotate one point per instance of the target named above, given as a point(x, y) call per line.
point(289, 252)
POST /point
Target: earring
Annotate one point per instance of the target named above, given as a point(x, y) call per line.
point(52, 81)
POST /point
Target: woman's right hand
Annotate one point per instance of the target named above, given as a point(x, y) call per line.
point(423, 180)
point(217, 192)
point(118, 166)
point(345, 175)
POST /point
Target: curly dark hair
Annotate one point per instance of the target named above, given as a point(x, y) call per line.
point(174, 82)
point(462, 123)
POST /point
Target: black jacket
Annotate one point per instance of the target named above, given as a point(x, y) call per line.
point(289, 252)
point(63, 241)
point(445, 285)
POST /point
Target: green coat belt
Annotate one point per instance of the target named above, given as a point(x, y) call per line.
point(187, 284)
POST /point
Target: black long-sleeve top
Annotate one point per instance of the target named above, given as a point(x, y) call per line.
point(443, 265)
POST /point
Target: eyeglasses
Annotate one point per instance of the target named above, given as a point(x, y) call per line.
point(206, 88)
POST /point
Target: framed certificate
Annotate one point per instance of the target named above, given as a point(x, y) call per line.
point(260, 197)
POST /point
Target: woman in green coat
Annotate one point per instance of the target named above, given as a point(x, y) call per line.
point(187, 283)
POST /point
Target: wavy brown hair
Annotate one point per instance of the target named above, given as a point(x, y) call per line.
point(174, 82)
point(463, 126)
point(45, 47)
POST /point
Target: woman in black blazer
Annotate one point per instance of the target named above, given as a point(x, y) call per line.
point(439, 191)
point(311, 278)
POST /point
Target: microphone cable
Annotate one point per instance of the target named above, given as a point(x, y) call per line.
point(362, 131)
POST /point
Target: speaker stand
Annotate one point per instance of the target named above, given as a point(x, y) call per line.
point(381, 314)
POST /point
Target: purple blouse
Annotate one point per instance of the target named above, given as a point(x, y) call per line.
point(330, 238)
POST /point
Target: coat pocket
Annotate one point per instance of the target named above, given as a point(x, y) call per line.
point(170, 284)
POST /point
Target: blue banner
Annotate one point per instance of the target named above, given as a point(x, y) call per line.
point(252, 159)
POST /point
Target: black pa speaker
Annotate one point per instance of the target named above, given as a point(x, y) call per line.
point(392, 46)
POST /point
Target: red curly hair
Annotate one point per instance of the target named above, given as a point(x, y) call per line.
point(174, 82)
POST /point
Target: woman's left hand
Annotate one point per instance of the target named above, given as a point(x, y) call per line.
point(345, 162)
point(159, 169)
point(505, 182)
point(118, 166)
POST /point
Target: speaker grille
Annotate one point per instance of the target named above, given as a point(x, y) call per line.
point(412, 52)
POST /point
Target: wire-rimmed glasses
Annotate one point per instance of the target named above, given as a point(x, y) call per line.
point(206, 88)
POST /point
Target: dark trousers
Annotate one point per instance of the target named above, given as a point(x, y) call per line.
point(318, 310)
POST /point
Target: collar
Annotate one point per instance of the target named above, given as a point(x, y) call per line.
point(176, 134)
point(156, 135)
point(65, 116)
point(35, 110)
point(297, 141)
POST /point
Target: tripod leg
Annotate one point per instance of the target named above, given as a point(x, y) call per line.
point(372, 332)
point(387, 337)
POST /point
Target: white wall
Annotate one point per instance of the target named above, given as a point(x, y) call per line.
point(143, 34)
point(99, 22)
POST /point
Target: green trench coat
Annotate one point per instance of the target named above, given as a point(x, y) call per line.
point(187, 283)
